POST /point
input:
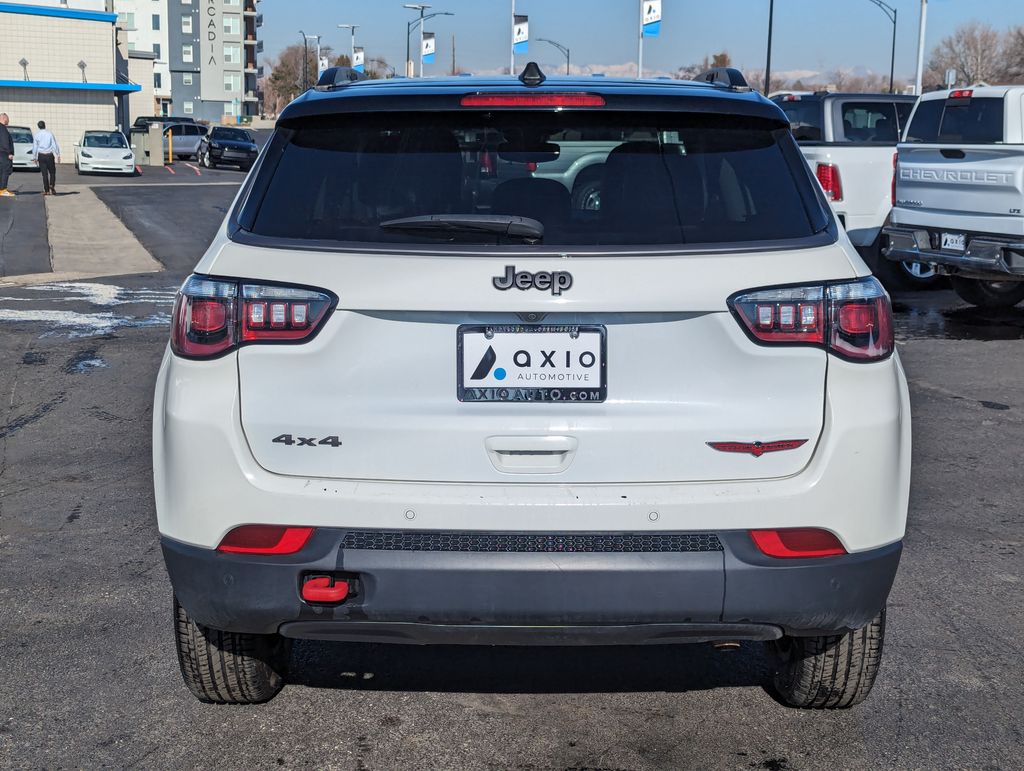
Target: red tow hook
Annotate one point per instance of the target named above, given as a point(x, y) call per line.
point(323, 589)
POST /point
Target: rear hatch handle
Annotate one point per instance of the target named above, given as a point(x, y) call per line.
point(531, 454)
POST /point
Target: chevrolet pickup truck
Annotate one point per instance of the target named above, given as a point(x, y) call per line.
point(959, 192)
point(849, 141)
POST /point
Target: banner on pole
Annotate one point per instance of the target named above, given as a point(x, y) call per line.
point(429, 47)
point(358, 59)
point(521, 34)
point(322, 65)
point(651, 17)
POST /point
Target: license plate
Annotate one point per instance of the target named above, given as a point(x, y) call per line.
point(957, 241)
point(529, 363)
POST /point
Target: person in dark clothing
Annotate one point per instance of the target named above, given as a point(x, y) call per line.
point(47, 155)
point(6, 156)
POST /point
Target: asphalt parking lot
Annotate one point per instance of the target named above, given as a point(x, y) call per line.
point(89, 672)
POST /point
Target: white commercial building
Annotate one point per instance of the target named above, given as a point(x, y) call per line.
point(145, 23)
point(60, 64)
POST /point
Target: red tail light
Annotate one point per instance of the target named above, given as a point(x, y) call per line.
point(961, 93)
point(212, 316)
point(791, 543)
point(895, 158)
point(828, 176)
point(852, 319)
point(265, 539)
point(533, 100)
point(487, 165)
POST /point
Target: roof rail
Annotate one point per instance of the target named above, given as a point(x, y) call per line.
point(334, 77)
point(729, 77)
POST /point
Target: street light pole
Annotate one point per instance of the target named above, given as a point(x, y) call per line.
point(512, 43)
point(768, 63)
point(560, 47)
point(352, 47)
point(305, 60)
point(920, 47)
point(890, 14)
point(640, 46)
point(408, 31)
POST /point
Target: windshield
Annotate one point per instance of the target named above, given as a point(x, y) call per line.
point(20, 135)
point(230, 134)
point(588, 178)
point(106, 139)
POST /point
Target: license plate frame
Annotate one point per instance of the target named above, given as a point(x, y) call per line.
point(956, 242)
point(554, 394)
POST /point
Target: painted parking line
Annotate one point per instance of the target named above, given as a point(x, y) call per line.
point(170, 169)
point(195, 169)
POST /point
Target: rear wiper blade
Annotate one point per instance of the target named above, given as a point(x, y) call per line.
point(507, 225)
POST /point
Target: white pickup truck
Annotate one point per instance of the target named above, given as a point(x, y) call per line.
point(960, 192)
point(850, 140)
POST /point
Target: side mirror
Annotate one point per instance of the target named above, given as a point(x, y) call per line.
point(76, 144)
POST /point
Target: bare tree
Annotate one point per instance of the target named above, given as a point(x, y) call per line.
point(1013, 55)
point(690, 71)
point(975, 50)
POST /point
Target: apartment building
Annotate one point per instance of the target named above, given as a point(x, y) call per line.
point(212, 56)
point(144, 23)
point(60, 63)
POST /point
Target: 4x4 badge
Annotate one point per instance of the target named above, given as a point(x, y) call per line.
point(557, 281)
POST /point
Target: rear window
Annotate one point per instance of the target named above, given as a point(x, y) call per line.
point(872, 122)
point(960, 121)
point(804, 118)
point(590, 180)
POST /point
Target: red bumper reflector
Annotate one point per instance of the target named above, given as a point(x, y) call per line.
point(757, 449)
point(533, 100)
point(323, 589)
point(797, 542)
point(265, 539)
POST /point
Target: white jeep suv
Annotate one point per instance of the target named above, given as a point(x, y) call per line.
point(401, 406)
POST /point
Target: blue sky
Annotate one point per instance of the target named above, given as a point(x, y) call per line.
point(816, 35)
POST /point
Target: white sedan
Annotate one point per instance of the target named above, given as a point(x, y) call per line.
point(104, 151)
point(22, 138)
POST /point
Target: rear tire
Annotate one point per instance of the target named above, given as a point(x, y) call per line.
point(229, 667)
point(895, 276)
point(586, 192)
point(828, 671)
point(988, 294)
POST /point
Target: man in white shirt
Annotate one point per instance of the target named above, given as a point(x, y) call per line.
point(47, 155)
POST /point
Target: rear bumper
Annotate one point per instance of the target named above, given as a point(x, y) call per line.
point(720, 588)
point(986, 255)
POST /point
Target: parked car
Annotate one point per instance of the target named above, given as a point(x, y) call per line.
point(184, 139)
point(143, 121)
point(224, 144)
point(849, 141)
point(23, 155)
point(104, 151)
point(959, 192)
point(399, 405)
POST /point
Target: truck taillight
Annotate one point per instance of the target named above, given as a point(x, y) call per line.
point(895, 160)
point(213, 316)
point(828, 176)
point(851, 319)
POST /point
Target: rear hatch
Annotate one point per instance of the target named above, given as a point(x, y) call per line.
point(601, 351)
point(955, 170)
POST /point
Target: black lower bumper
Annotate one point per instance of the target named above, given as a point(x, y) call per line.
point(722, 589)
point(984, 255)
